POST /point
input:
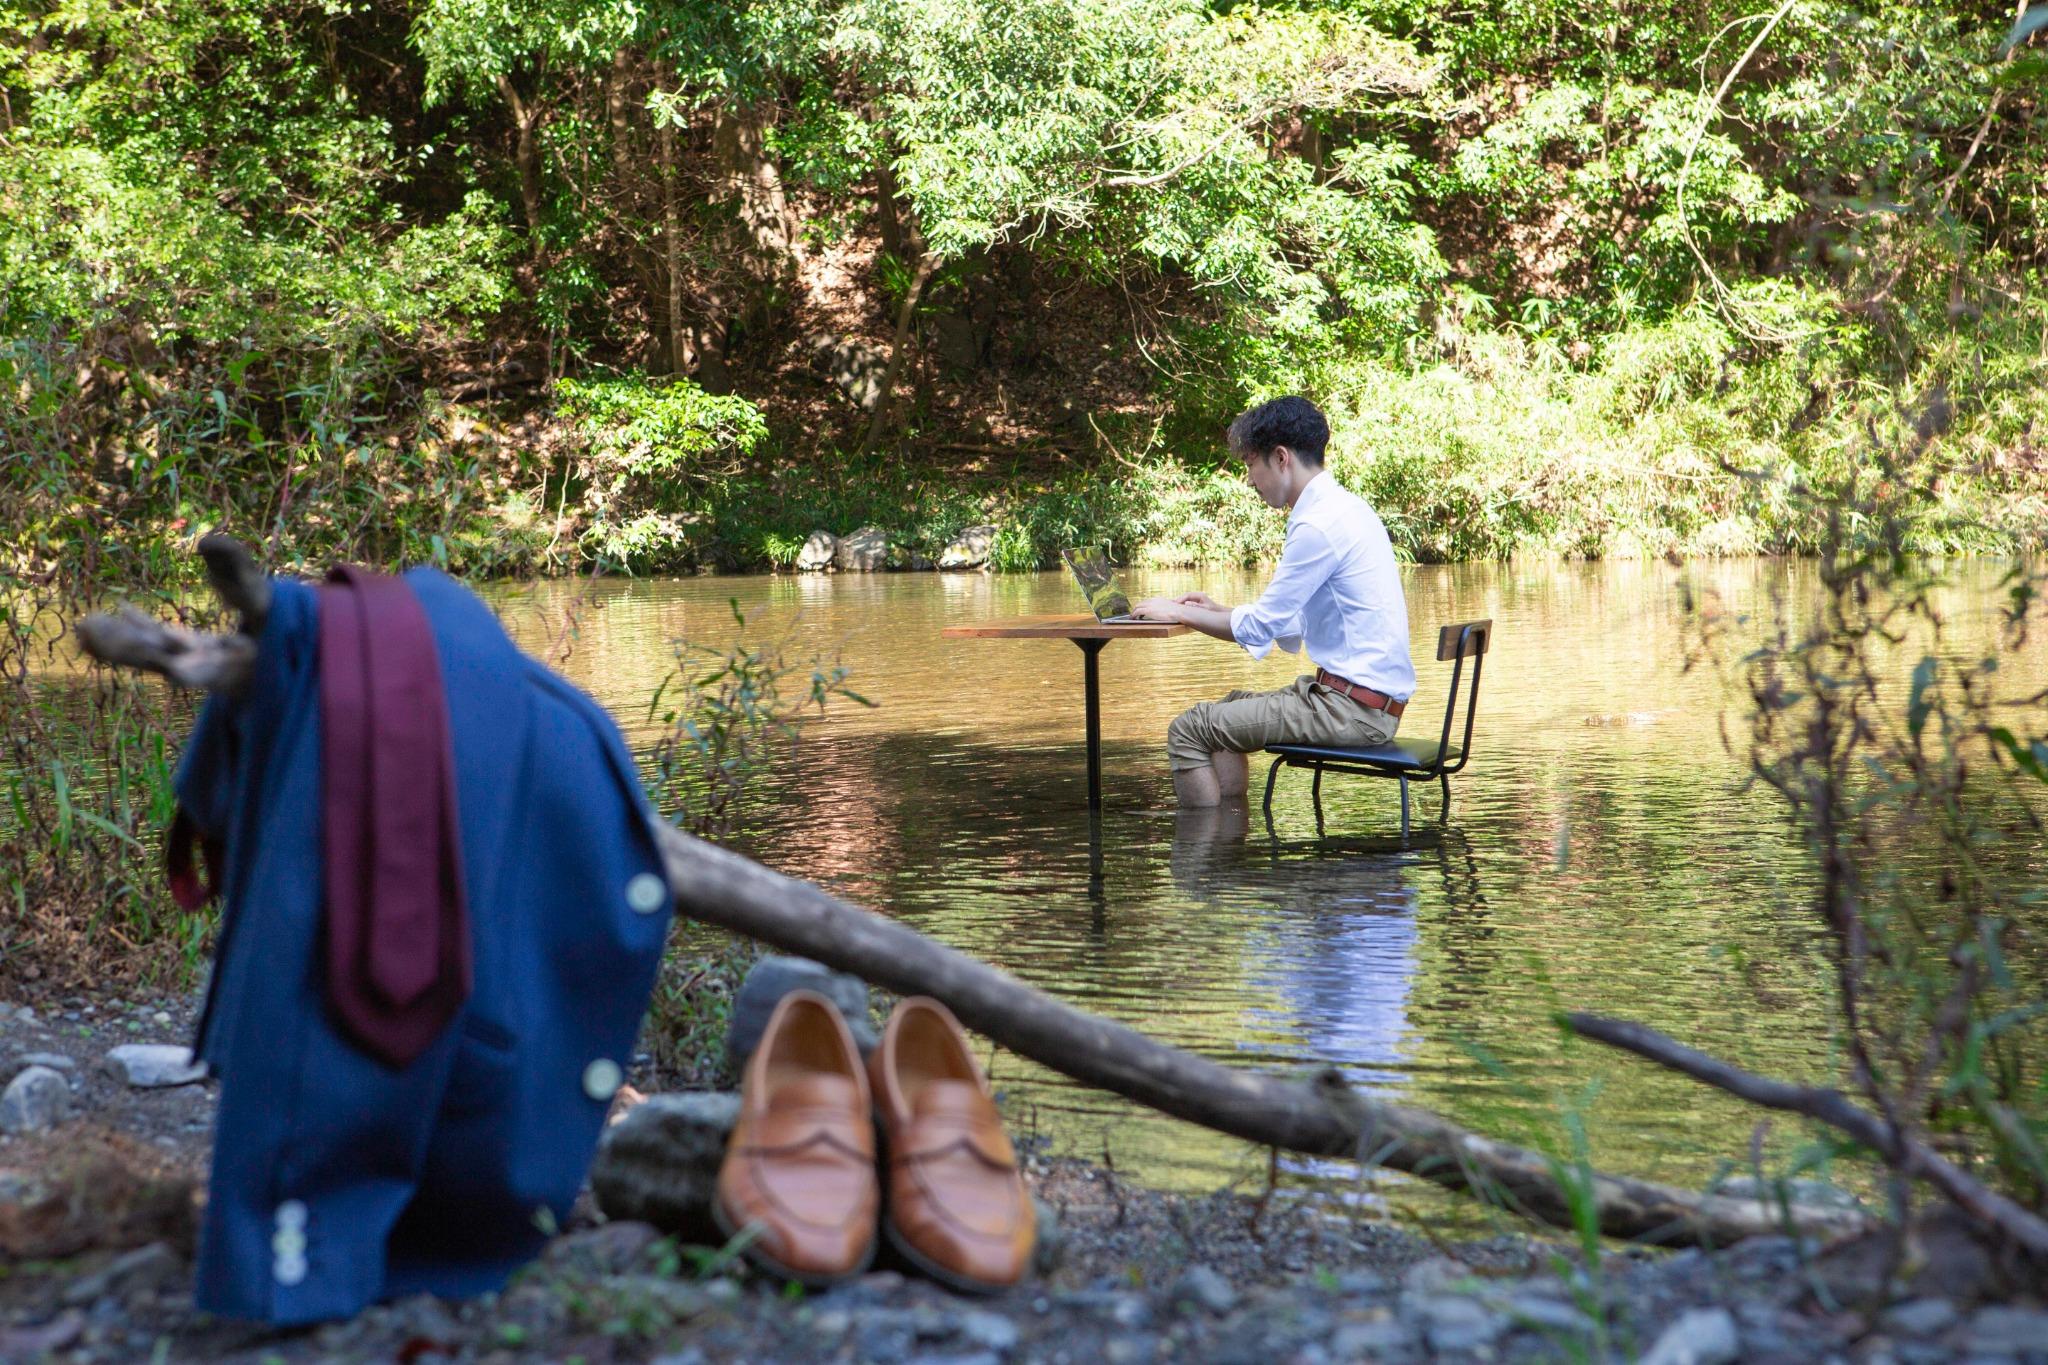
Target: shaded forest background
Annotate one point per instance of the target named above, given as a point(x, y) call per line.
point(537, 286)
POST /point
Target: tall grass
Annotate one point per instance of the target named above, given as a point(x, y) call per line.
point(86, 762)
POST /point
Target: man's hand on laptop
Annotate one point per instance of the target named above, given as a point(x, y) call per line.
point(1158, 609)
point(1186, 609)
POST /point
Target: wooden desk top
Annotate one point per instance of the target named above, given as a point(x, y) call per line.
point(1081, 627)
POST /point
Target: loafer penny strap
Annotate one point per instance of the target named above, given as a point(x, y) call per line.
point(808, 1111)
point(784, 1132)
point(952, 1116)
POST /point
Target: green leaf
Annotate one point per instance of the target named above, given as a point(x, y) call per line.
point(2031, 759)
point(1918, 705)
point(106, 826)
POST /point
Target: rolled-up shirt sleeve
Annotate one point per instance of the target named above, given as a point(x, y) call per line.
point(1306, 561)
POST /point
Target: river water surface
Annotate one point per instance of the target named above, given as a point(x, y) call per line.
point(1599, 854)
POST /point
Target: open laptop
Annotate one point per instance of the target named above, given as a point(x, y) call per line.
point(1098, 583)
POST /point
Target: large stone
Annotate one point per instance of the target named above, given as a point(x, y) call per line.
point(1202, 1287)
point(38, 1098)
point(818, 551)
point(1919, 1317)
point(989, 1331)
point(1373, 1340)
point(865, 551)
point(970, 549)
point(1455, 1324)
point(1434, 1275)
point(152, 1066)
point(638, 1296)
point(853, 366)
point(56, 1061)
point(1817, 1194)
point(774, 977)
point(1958, 1262)
point(659, 1164)
point(962, 343)
point(613, 1248)
point(1542, 1313)
point(1703, 1336)
point(2007, 1331)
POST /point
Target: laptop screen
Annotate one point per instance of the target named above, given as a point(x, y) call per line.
point(1091, 570)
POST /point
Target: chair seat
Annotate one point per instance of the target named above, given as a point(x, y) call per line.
point(1403, 755)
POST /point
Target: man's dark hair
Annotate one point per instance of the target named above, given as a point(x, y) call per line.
point(1292, 422)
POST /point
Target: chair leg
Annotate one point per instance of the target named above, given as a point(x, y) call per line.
point(1315, 790)
point(1444, 780)
point(1271, 773)
point(1404, 808)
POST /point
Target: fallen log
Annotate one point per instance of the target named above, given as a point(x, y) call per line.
point(1325, 1118)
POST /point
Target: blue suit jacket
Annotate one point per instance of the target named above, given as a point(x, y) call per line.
point(338, 1180)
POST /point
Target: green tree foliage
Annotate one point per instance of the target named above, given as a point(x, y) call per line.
point(205, 277)
point(1576, 258)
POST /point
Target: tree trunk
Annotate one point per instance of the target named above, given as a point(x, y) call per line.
point(526, 156)
point(886, 216)
point(679, 349)
point(618, 109)
point(899, 347)
point(749, 178)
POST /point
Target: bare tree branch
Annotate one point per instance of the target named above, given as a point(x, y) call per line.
point(238, 579)
point(128, 639)
point(1831, 1107)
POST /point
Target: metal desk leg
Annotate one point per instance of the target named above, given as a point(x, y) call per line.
point(1089, 649)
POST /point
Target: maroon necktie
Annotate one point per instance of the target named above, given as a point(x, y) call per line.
point(398, 950)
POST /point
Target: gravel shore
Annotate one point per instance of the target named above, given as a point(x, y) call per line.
point(96, 1213)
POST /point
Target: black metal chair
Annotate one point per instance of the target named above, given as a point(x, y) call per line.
point(1404, 759)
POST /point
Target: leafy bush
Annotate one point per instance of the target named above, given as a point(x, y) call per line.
point(653, 452)
point(724, 713)
point(1920, 813)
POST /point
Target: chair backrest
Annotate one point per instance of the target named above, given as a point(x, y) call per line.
point(1459, 642)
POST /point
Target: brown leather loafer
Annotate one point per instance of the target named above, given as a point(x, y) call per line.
point(800, 1164)
point(957, 1208)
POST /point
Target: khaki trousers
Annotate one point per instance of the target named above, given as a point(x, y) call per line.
point(1246, 722)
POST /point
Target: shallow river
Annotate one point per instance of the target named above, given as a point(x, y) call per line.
point(1598, 853)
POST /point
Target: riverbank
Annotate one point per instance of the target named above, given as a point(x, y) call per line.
point(1664, 440)
point(1128, 1274)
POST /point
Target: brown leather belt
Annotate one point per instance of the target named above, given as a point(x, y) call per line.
point(1364, 696)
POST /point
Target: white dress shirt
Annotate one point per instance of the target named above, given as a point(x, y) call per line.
point(1338, 590)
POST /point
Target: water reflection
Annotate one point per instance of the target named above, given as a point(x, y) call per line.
point(1335, 940)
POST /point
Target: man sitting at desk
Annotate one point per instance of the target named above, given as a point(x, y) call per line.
point(1337, 590)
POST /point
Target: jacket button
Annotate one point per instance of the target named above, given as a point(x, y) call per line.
point(602, 1079)
point(646, 893)
point(289, 1270)
point(291, 1214)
